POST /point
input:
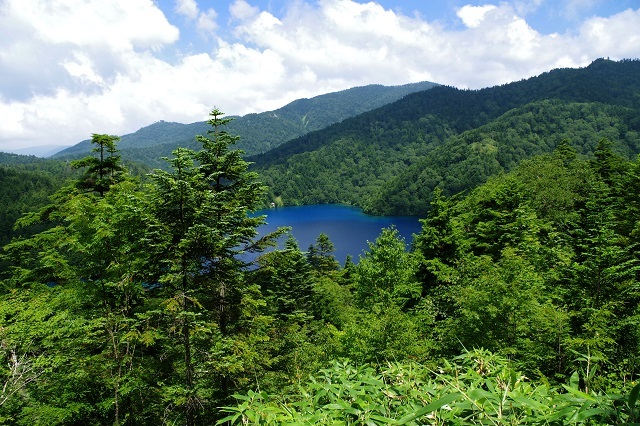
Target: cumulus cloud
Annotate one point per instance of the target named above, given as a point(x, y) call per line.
point(75, 67)
point(240, 9)
point(205, 20)
point(59, 59)
point(613, 36)
point(472, 16)
point(188, 8)
point(82, 68)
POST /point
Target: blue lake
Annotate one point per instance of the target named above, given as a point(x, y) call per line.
point(348, 228)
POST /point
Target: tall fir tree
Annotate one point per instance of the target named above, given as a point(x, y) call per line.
point(105, 169)
point(201, 240)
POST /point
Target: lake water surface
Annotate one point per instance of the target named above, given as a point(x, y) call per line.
point(347, 227)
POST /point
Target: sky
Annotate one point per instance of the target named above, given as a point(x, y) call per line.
point(70, 68)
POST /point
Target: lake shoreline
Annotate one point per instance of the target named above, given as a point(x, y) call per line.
point(348, 227)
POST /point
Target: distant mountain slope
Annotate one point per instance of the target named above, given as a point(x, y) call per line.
point(40, 151)
point(259, 132)
point(8, 158)
point(470, 158)
point(389, 160)
point(26, 183)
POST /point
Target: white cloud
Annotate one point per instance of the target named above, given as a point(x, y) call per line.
point(113, 76)
point(188, 8)
point(472, 16)
point(57, 58)
point(240, 9)
point(207, 21)
point(119, 24)
point(618, 35)
point(82, 68)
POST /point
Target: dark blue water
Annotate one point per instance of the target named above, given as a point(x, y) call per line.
point(347, 227)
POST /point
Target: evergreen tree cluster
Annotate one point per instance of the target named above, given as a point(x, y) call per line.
point(137, 302)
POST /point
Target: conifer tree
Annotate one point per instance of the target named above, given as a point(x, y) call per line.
point(203, 230)
point(285, 277)
point(320, 255)
point(102, 171)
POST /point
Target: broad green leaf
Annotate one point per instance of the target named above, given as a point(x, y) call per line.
point(633, 396)
point(579, 393)
point(436, 405)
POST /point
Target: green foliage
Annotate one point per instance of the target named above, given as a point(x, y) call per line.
point(476, 388)
point(140, 268)
point(201, 228)
point(320, 255)
point(377, 334)
point(532, 265)
point(385, 274)
point(285, 278)
point(140, 304)
point(102, 171)
point(26, 186)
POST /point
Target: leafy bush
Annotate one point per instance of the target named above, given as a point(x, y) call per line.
point(475, 388)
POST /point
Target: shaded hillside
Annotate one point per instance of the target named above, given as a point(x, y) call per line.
point(470, 158)
point(7, 158)
point(259, 132)
point(389, 160)
point(27, 182)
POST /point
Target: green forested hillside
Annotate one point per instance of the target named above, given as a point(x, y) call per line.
point(518, 303)
point(26, 182)
point(390, 159)
point(538, 267)
point(22, 191)
point(468, 159)
point(259, 132)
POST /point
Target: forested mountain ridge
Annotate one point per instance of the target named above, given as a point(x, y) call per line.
point(355, 161)
point(470, 158)
point(258, 132)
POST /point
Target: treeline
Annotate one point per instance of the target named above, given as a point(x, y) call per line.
point(137, 305)
point(389, 160)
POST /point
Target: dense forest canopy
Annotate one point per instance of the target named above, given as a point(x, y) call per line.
point(389, 160)
point(26, 182)
point(110, 315)
point(129, 301)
